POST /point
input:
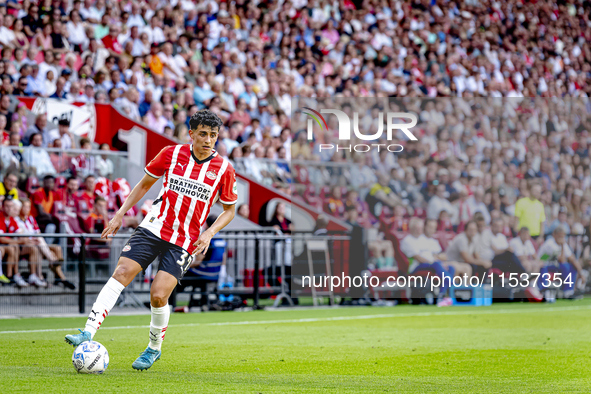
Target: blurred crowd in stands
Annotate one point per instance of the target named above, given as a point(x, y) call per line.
point(504, 164)
point(247, 61)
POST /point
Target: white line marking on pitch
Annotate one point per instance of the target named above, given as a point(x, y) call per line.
point(336, 318)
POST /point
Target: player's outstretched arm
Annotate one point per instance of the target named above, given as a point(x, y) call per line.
point(136, 195)
point(222, 221)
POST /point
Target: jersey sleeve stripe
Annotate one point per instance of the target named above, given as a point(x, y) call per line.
point(228, 203)
point(149, 173)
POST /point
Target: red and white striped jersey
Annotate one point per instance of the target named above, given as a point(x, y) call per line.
point(189, 188)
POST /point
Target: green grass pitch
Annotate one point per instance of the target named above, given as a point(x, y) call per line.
point(505, 348)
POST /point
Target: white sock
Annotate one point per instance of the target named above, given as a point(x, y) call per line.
point(102, 306)
point(158, 326)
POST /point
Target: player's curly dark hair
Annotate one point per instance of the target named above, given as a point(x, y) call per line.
point(206, 118)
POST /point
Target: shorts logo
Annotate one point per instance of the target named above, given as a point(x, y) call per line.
point(127, 248)
point(211, 175)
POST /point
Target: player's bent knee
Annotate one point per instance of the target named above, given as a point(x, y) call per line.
point(158, 299)
point(126, 270)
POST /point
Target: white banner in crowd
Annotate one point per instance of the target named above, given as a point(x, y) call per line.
point(82, 118)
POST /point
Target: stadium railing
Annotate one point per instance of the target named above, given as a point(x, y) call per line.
point(255, 264)
point(62, 159)
point(255, 267)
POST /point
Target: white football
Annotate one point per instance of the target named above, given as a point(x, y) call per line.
point(90, 357)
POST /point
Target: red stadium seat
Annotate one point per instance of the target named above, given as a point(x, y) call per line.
point(60, 182)
point(444, 225)
point(420, 213)
point(32, 185)
point(111, 207)
point(59, 211)
point(312, 198)
point(249, 276)
point(302, 175)
point(444, 238)
point(83, 212)
point(386, 216)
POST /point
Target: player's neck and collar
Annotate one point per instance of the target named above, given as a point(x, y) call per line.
point(213, 154)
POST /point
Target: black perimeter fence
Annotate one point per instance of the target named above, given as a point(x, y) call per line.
point(88, 264)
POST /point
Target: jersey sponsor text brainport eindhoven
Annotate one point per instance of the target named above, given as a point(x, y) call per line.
point(189, 189)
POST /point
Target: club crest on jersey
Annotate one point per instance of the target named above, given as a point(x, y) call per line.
point(211, 175)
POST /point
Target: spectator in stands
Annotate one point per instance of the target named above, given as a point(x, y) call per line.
point(37, 158)
point(475, 204)
point(380, 193)
point(20, 116)
point(560, 221)
point(524, 249)
point(53, 253)
point(12, 159)
point(43, 200)
point(459, 268)
point(35, 83)
point(464, 248)
point(4, 134)
point(244, 211)
point(351, 215)
point(104, 165)
point(9, 247)
point(558, 257)
point(9, 185)
point(71, 195)
point(40, 127)
point(27, 246)
point(493, 245)
point(67, 140)
point(84, 164)
point(425, 254)
point(279, 221)
point(321, 225)
point(335, 204)
point(60, 160)
point(155, 118)
point(100, 217)
point(88, 194)
point(438, 202)
point(530, 213)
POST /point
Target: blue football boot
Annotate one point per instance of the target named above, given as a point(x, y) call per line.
point(77, 339)
point(146, 359)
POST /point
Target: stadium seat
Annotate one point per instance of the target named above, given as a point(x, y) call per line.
point(420, 213)
point(444, 238)
point(248, 275)
point(444, 225)
point(111, 207)
point(325, 193)
point(60, 182)
point(302, 175)
point(83, 213)
point(59, 211)
point(312, 198)
point(32, 185)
